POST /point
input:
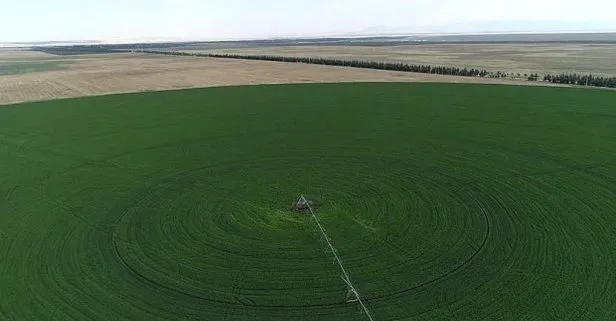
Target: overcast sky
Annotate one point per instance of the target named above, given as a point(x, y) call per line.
point(37, 20)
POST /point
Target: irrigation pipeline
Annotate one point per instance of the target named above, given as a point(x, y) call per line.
point(345, 275)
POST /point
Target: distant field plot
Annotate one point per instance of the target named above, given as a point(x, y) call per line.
point(7, 54)
point(88, 75)
point(551, 58)
point(15, 62)
point(24, 67)
point(445, 202)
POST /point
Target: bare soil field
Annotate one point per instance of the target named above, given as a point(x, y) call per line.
point(523, 58)
point(121, 73)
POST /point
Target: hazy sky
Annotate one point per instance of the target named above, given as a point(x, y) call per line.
point(33, 20)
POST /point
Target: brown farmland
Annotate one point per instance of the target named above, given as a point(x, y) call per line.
point(552, 58)
point(131, 72)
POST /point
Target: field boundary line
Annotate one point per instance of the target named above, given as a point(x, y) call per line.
point(345, 275)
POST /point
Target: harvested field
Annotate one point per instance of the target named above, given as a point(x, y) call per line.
point(105, 74)
point(523, 58)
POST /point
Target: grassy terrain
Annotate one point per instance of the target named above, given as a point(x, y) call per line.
point(445, 202)
point(23, 67)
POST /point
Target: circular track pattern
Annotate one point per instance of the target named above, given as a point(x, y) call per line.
point(445, 202)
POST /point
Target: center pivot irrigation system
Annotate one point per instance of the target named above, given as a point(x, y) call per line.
point(352, 294)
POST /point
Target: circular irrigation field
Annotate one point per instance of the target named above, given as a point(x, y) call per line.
point(444, 202)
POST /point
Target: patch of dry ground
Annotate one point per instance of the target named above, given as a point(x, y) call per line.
point(132, 72)
point(8, 55)
point(523, 58)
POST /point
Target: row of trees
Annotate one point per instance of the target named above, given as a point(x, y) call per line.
point(393, 66)
point(582, 80)
point(572, 79)
point(533, 77)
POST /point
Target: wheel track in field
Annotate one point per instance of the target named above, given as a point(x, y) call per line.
point(143, 195)
point(176, 179)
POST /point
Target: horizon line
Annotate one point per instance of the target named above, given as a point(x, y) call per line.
point(350, 35)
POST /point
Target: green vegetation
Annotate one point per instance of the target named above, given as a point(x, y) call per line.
point(23, 67)
point(445, 202)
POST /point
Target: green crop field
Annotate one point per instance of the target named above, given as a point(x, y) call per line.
point(444, 201)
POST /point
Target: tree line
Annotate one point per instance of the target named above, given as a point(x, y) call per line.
point(582, 80)
point(571, 79)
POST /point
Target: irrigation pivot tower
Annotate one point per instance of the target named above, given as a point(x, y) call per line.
point(352, 294)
